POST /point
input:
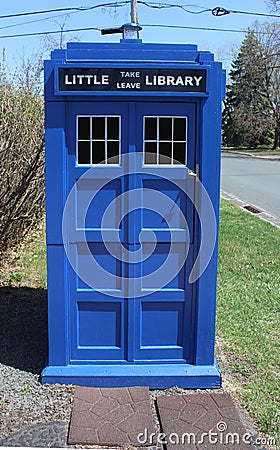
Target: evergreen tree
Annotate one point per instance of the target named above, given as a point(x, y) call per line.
point(247, 116)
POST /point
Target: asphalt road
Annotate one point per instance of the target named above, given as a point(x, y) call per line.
point(255, 181)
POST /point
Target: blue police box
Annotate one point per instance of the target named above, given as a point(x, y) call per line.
point(132, 192)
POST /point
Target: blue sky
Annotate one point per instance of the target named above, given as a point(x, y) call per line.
point(219, 42)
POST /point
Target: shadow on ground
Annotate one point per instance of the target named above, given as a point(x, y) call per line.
point(23, 328)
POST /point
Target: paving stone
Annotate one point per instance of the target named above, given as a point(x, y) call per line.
point(52, 434)
point(110, 416)
point(204, 422)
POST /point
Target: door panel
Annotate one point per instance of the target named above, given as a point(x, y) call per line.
point(95, 172)
point(133, 217)
point(163, 304)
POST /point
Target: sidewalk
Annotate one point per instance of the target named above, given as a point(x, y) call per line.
point(136, 418)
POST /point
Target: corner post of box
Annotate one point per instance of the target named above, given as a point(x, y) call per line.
point(209, 158)
point(55, 174)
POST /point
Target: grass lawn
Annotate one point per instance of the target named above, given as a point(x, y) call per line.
point(25, 266)
point(247, 306)
point(254, 151)
point(248, 311)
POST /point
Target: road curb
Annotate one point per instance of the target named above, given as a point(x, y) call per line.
point(250, 155)
point(241, 203)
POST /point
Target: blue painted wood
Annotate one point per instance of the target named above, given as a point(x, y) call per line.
point(128, 328)
point(157, 376)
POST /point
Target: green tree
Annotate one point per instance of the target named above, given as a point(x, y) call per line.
point(247, 117)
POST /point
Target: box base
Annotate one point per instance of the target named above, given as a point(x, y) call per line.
point(156, 376)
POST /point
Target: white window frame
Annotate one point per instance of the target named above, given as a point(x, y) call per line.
point(105, 140)
point(157, 141)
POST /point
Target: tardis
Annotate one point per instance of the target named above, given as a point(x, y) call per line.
point(132, 194)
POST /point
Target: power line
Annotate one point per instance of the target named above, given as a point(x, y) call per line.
point(218, 11)
point(38, 20)
point(32, 13)
point(173, 5)
point(76, 30)
point(254, 13)
point(43, 33)
point(194, 28)
point(79, 8)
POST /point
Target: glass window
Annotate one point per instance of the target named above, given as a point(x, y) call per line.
point(98, 140)
point(165, 140)
point(83, 152)
point(98, 128)
point(84, 128)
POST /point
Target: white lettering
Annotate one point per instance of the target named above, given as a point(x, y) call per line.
point(105, 79)
point(174, 438)
point(170, 80)
point(151, 438)
point(201, 440)
point(66, 80)
point(161, 438)
point(147, 81)
point(80, 79)
point(190, 438)
point(142, 437)
point(197, 80)
point(161, 80)
point(179, 81)
point(213, 437)
point(230, 438)
point(88, 78)
point(188, 81)
point(130, 74)
point(95, 80)
point(128, 86)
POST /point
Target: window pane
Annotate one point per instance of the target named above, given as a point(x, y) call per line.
point(113, 128)
point(83, 152)
point(84, 128)
point(179, 153)
point(98, 152)
point(150, 128)
point(165, 150)
point(165, 129)
point(113, 152)
point(179, 129)
point(98, 128)
point(150, 152)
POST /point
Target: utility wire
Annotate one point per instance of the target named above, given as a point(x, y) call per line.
point(42, 33)
point(218, 11)
point(194, 28)
point(79, 8)
point(172, 5)
point(75, 30)
point(39, 20)
point(254, 13)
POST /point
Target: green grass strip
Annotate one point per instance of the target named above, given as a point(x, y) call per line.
point(248, 310)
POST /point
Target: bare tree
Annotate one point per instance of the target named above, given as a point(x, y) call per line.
point(21, 153)
point(269, 38)
point(274, 5)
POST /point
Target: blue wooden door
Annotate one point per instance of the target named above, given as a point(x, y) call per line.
point(128, 231)
point(165, 145)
